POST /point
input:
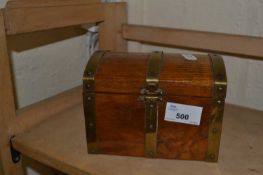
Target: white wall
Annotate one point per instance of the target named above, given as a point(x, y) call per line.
point(2, 3)
point(245, 85)
point(47, 70)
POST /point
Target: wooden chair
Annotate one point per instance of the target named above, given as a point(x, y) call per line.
point(52, 131)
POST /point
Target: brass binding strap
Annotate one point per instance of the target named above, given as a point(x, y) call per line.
point(89, 100)
point(151, 95)
point(219, 94)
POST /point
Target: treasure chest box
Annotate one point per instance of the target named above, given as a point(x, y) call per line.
point(154, 105)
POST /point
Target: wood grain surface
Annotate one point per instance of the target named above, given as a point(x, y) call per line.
point(120, 128)
point(45, 3)
point(120, 115)
point(181, 141)
point(60, 143)
point(34, 114)
point(37, 18)
point(178, 76)
point(120, 124)
point(237, 45)
point(7, 106)
point(110, 37)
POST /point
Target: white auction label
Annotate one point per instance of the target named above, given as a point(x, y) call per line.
point(182, 113)
point(189, 57)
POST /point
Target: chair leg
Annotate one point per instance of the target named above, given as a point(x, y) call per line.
point(7, 107)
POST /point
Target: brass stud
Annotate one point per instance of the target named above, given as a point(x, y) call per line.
point(93, 151)
point(143, 92)
point(212, 156)
point(219, 102)
point(89, 98)
point(150, 154)
point(220, 88)
point(90, 73)
point(91, 124)
point(215, 130)
point(151, 126)
point(88, 85)
point(151, 105)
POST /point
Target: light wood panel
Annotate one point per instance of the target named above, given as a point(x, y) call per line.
point(22, 42)
point(38, 112)
point(45, 3)
point(60, 143)
point(110, 30)
point(7, 107)
point(237, 45)
point(36, 18)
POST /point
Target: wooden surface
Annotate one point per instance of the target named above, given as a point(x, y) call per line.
point(237, 45)
point(178, 76)
point(120, 128)
point(26, 41)
point(60, 143)
point(120, 124)
point(36, 18)
point(34, 114)
point(7, 106)
point(110, 37)
point(180, 141)
point(45, 3)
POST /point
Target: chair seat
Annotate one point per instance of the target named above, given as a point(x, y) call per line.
point(60, 142)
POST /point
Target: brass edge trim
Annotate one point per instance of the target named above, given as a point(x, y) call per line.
point(90, 71)
point(153, 70)
point(151, 95)
point(89, 100)
point(217, 111)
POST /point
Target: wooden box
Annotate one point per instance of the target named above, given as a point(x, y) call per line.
point(150, 105)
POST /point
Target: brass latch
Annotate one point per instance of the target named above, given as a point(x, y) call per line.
point(151, 95)
point(151, 100)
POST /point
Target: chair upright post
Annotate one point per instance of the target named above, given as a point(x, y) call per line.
point(7, 107)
